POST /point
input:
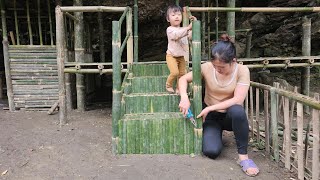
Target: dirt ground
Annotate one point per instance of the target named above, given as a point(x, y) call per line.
point(33, 146)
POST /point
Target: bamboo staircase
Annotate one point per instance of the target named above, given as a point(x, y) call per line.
point(151, 122)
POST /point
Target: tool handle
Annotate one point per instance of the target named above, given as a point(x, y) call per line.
point(189, 115)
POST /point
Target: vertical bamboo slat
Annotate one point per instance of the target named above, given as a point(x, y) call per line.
point(39, 22)
point(274, 124)
point(287, 133)
point(300, 141)
point(60, 37)
point(257, 114)
point(208, 32)
point(185, 22)
point(130, 39)
point(116, 76)
point(50, 23)
point(246, 102)
point(79, 56)
point(203, 29)
point(101, 38)
point(217, 21)
point(316, 142)
point(197, 86)
point(266, 120)
point(248, 44)
point(251, 111)
point(231, 16)
point(135, 37)
point(16, 21)
point(29, 23)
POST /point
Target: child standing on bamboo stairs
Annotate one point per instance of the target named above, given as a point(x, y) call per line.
point(177, 46)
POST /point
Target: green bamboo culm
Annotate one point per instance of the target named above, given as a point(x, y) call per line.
point(116, 85)
point(197, 86)
point(79, 55)
point(231, 17)
point(274, 124)
point(29, 23)
point(39, 22)
point(16, 21)
point(135, 29)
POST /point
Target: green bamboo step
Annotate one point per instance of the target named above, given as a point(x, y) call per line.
point(150, 70)
point(155, 133)
point(148, 84)
point(151, 102)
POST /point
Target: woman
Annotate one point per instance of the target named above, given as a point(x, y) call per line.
point(226, 86)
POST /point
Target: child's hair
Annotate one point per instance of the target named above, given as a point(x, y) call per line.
point(173, 8)
point(224, 49)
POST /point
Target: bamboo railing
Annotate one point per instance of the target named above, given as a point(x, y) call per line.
point(291, 136)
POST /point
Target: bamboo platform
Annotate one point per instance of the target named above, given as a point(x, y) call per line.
point(34, 76)
point(151, 122)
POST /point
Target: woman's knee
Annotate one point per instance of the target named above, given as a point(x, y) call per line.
point(236, 111)
point(212, 152)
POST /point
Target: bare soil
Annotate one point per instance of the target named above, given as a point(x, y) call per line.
point(33, 146)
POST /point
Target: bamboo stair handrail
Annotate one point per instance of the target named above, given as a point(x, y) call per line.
point(255, 9)
point(92, 9)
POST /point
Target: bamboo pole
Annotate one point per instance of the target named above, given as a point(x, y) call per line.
point(185, 22)
point(257, 114)
point(208, 32)
point(50, 23)
point(197, 86)
point(79, 56)
point(300, 141)
point(39, 22)
point(13, 40)
point(266, 121)
point(316, 142)
point(251, 111)
point(130, 39)
point(16, 21)
point(274, 124)
point(29, 24)
point(177, 2)
point(231, 18)
point(306, 51)
point(79, 8)
point(217, 21)
point(6, 58)
point(116, 87)
point(135, 29)
point(256, 9)
point(60, 38)
point(287, 133)
point(248, 44)
point(90, 71)
point(101, 38)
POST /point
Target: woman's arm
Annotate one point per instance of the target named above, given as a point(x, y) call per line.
point(183, 85)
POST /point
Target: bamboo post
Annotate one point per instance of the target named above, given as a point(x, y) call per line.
point(60, 38)
point(247, 106)
point(39, 22)
point(217, 21)
point(130, 39)
point(29, 23)
point(16, 21)
point(300, 141)
point(248, 44)
point(135, 36)
point(306, 51)
point(13, 40)
point(177, 2)
point(6, 57)
point(251, 111)
point(50, 22)
point(116, 87)
point(316, 142)
point(274, 123)
point(203, 29)
point(101, 38)
point(287, 133)
point(257, 114)
point(79, 55)
point(266, 120)
point(231, 16)
point(185, 22)
point(197, 86)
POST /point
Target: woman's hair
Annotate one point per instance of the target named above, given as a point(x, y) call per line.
point(224, 49)
point(173, 8)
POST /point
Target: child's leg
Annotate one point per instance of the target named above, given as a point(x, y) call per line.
point(182, 70)
point(174, 72)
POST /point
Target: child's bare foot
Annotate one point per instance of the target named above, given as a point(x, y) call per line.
point(170, 90)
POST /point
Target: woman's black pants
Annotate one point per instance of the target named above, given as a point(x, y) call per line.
point(234, 119)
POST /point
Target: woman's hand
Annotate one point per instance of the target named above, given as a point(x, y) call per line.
point(205, 112)
point(184, 104)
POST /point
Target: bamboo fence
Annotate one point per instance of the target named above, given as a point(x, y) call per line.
point(294, 136)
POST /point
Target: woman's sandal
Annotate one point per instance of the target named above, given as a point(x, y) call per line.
point(246, 164)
